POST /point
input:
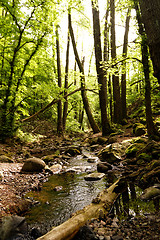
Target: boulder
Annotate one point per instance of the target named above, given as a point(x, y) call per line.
point(103, 167)
point(5, 159)
point(33, 165)
point(94, 176)
point(139, 129)
point(113, 152)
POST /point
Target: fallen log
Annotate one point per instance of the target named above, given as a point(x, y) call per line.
point(99, 207)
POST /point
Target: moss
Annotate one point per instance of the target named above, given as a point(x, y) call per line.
point(133, 149)
point(145, 157)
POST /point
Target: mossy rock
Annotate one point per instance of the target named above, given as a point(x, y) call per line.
point(139, 129)
point(153, 164)
point(73, 151)
point(132, 150)
point(145, 157)
point(49, 158)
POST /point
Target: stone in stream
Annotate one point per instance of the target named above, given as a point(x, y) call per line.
point(56, 168)
point(94, 176)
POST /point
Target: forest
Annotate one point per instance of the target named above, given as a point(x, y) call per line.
point(79, 84)
point(75, 65)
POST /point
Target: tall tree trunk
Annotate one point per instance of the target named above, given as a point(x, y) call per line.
point(145, 61)
point(59, 119)
point(151, 18)
point(92, 122)
point(106, 129)
point(65, 107)
point(123, 80)
point(115, 78)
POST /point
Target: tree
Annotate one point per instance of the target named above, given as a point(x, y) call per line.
point(106, 129)
point(151, 18)
point(123, 80)
point(91, 119)
point(115, 78)
point(59, 119)
point(145, 61)
point(23, 38)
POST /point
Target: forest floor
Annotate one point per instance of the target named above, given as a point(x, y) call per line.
point(15, 185)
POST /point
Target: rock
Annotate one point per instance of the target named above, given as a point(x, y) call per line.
point(92, 159)
point(57, 188)
point(107, 154)
point(36, 233)
point(33, 165)
point(56, 168)
point(73, 151)
point(94, 176)
point(102, 140)
point(78, 169)
point(151, 193)
point(5, 159)
point(11, 226)
point(49, 158)
point(85, 233)
point(113, 152)
point(139, 130)
point(103, 167)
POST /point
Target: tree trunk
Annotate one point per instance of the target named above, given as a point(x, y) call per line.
point(115, 78)
point(65, 107)
point(59, 119)
point(151, 18)
point(92, 122)
point(145, 61)
point(106, 129)
point(68, 229)
point(123, 80)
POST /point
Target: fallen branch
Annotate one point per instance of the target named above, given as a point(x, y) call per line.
point(49, 105)
point(100, 205)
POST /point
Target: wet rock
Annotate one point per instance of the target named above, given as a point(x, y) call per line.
point(49, 158)
point(92, 159)
point(139, 130)
point(10, 226)
point(73, 151)
point(85, 233)
point(35, 233)
point(57, 188)
point(5, 159)
point(151, 193)
point(107, 154)
point(103, 167)
point(33, 165)
point(56, 168)
point(94, 176)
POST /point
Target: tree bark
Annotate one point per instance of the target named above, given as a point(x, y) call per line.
point(59, 119)
point(101, 205)
point(106, 129)
point(123, 80)
point(92, 122)
point(115, 78)
point(65, 107)
point(151, 18)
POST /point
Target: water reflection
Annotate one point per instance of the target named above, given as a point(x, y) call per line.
point(129, 204)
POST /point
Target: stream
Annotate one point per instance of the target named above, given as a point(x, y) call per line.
point(74, 192)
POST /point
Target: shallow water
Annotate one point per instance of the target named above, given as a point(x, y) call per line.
point(56, 206)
